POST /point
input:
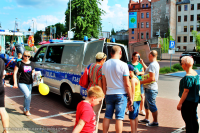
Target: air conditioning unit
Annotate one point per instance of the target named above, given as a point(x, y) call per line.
point(157, 33)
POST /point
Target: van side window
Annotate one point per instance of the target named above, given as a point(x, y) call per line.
point(54, 54)
point(40, 54)
point(72, 55)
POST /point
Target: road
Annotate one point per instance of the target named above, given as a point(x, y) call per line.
point(49, 111)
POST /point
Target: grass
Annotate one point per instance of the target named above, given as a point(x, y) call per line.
point(30, 49)
point(174, 68)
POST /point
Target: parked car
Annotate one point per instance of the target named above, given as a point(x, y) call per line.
point(63, 63)
point(194, 55)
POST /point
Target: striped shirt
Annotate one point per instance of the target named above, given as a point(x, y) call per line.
point(95, 74)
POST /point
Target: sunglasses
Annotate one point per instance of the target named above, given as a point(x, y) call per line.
point(27, 56)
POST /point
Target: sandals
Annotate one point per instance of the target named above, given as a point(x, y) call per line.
point(27, 113)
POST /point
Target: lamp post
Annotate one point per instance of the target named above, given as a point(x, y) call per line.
point(33, 27)
point(69, 22)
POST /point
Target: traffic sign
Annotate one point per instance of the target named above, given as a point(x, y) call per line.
point(172, 44)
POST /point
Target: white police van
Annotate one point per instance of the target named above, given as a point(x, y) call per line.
point(63, 63)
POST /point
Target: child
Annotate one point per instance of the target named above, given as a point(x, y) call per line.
point(19, 57)
point(85, 116)
point(136, 92)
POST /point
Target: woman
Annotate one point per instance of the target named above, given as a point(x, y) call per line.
point(189, 94)
point(3, 113)
point(25, 68)
point(95, 78)
point(139, 71)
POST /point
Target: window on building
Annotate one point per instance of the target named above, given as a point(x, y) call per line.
point(198, 17)
point(179, 39)
point(142, 36)
point(185, 18)
point(147, 35)
point(179, 18)
point(142, 15)
point(191, 38)
point(146, 5)
point(191, 28)
point(185, 7)
point(198, 28)
point(185, 47)
point(185, 39)
point(198, 6)
point(132, 37)
point(147, 24)
point(142, 5)
point(179, 47)
point(179, 0)
point(147, 15)
point(138, 36)
point(133, 7)
point(138, 25)
point(132, 31)
point(192, 6)
point(191, 17)
point(179, 8)
point(142, 25)
point(185, 28)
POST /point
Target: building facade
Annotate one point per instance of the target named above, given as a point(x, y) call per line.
point(139, 21)
point(188, 15)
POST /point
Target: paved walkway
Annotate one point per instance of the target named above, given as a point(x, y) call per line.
point(181, 74)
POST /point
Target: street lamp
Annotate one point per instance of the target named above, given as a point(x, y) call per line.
point(33, 27)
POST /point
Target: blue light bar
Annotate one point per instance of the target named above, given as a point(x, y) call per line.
point(2, 30)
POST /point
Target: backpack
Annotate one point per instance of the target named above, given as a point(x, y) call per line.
point(84, 80)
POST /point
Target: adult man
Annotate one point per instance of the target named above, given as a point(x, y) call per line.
point(116, 86)
point(151, 88)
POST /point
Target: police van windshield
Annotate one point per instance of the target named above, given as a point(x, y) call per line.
point(124, 57)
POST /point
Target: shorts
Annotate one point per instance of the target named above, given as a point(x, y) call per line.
point(134, 114)
point(117, 102)
point(150, 99)
point(142, 89)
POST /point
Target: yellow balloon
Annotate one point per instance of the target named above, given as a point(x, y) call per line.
point(43, 89)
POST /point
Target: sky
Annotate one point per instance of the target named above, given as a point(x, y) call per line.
point(41, 13)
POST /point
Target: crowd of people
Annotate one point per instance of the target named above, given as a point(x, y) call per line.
point(122, 85)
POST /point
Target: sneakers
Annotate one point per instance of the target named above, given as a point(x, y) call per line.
point(142, 112)
point(153, 124)
point(144, 121)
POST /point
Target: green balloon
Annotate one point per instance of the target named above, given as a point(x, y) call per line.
point(132, 20)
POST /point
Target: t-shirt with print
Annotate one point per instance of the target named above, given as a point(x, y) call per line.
point(138, 68)
point(114, 71)
point(154, 68)
point(95, 74)
point(86, 113)
point(25, 71)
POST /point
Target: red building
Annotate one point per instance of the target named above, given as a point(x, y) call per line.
point(141, 31)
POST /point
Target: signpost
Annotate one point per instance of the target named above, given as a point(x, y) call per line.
point(171, 50)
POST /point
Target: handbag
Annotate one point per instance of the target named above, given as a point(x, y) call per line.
point(84, 80)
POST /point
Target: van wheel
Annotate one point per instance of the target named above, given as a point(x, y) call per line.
point(67, 97)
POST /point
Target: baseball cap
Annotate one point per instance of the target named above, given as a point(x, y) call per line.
point(100, 55)
point(130, 67)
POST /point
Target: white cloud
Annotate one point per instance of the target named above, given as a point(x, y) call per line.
point(8, 8)
point(40, 22)
point(116, 16)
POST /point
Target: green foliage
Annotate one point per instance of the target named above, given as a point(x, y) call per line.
point(47, 30)
point(37, 36)
point(196, 36)
point(178, 66)
point(31, 49)
point(125, 42)
point(87, 16)
point(59, 28)
point(113, 32)
point(164, 70)
point(165, 45)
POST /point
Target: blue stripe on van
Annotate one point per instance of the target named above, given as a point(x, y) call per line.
point(60, 75)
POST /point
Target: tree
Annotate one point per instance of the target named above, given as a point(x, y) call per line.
point(47, 31)
point(37, 36)
point(60, 28)
point(86, 15)
point(113, 32)
point(196, 36)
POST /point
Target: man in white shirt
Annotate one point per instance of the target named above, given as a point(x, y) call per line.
point(116, 86)
point(151, 89)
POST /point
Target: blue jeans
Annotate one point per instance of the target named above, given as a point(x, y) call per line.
point(150, 99)
point(134, 114)
point(26, 89)
point(117, 102)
